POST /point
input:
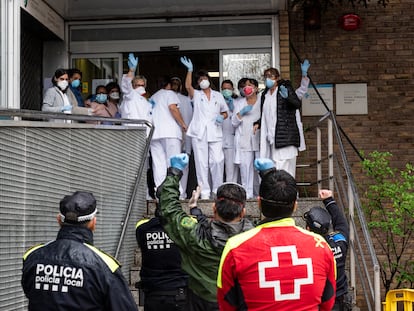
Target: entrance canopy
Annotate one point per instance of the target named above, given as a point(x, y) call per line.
point(72, 10)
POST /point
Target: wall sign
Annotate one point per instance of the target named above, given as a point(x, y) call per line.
point(312, 104)
point(351, 98)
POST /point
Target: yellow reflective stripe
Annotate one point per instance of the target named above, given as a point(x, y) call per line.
point(234, 242)
point(110, 261)
point(141, 222)
point(32, 249)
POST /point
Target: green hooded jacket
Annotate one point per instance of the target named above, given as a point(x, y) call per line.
point(200, 240)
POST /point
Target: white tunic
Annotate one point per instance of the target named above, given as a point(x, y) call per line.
point(205, 114)
point(164, 122)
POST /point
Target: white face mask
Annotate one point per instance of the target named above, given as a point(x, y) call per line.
point(62, 84)
point(204, 84)
point(141, 90)
point(114, 95)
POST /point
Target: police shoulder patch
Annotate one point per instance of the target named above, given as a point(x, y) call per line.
point(188, 222)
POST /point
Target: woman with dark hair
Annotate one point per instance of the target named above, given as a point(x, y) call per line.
point(56, 99)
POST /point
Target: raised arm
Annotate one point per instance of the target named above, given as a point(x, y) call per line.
point(189, 77)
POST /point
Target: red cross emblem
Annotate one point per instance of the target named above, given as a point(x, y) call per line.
point(284, 263)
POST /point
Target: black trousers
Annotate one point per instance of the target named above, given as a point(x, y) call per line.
point(166, 301)
point(196, 303)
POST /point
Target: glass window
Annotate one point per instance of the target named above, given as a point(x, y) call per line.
point(239, 64)
point(97, 70)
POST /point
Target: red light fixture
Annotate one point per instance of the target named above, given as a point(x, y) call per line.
point(350, 22)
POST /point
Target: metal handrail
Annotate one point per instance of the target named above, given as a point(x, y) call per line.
point(362, 260)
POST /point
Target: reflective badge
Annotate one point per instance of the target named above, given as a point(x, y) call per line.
point(188, 222)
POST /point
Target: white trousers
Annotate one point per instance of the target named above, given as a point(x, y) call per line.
point(231, 169)
point(289, 165)
point(161, 150)
point(208, 157)
point(247, 171)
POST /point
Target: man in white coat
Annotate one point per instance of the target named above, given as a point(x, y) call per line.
point(206, 130)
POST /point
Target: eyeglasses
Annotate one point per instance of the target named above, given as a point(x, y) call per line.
point(138, 85)
point(270, 76)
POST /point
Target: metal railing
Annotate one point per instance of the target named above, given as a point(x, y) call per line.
point(333, 166)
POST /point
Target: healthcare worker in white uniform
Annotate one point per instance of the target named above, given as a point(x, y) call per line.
point(134, 104)
point(231, 169)
point(284, 157)
point(168, 130)
point(246, 112)
point(186, 109)
point(210, 110)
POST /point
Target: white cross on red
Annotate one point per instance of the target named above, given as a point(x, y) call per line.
point(295, 262)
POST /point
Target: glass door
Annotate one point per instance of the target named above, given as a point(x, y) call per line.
point(97, 69)
point(237, 64)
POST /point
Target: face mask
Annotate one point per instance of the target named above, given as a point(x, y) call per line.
point(270, 83)
point(114, 95)
point(227, 93)
point(248, 90)
point(242, 92)
point(141, 90)
point(204, 84)
point(75, 83)
point(62, 84)
point(101, 98)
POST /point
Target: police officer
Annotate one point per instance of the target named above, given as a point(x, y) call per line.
point(319, 220)
point(69, 273)
point(163, 282)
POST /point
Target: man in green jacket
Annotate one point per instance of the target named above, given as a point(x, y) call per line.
point(201, 240)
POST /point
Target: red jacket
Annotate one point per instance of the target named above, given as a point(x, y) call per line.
point(277, 266)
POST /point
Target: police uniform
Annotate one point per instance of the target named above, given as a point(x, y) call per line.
point(70, 273)
point(338, 241)
point(163, 282)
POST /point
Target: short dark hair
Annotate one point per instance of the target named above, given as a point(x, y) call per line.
point(58, 73)
point(278, 194)
point(202, 73)
point(230, 201)
point(228, 82)
point(112, 85)
point(241, 82)
point(253, 81)
point(72, 71)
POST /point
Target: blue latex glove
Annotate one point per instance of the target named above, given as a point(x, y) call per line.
point(304, 67)
point(246, 109)
point(283, 91)
point(67, 108)
point(263, 164)
point(179, 161)
point(152, 102)
point(187, 62)
point(219, 119)
point(132, 61)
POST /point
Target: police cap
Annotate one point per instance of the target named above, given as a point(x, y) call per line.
point(318, 220)
point(79, 207)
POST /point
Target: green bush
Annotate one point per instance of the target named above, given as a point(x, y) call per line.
point(388, 201)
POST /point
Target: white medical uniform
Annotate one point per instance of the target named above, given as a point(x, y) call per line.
point(166, 140)
point(186, 109)
point(231, 169)
point(284, 158)
point(247, 143)
point(207, 140)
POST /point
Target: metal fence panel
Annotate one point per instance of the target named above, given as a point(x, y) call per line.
point(40, 162)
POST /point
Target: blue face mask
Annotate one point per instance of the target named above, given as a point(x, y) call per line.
point(227, 93)
point(75, 83)
point(270, 83)
point(101, 98)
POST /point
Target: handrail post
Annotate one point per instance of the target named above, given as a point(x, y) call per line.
point(319, 157)
point(330, 155)
point(351, 242)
